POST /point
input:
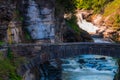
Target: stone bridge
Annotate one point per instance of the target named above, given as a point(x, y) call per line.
point(65, 50)
point(56, 51)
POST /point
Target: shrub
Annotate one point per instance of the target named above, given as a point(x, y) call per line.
point(7, 69)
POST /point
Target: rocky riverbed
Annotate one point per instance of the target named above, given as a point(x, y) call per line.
point(89, 67)
point(84, 67)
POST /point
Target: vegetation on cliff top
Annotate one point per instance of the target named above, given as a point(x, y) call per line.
point(96, 5)
point(113, 11)
point(110, 9)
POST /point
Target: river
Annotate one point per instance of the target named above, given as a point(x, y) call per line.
point(86, 67)
point(82, 67)
point(89, 67)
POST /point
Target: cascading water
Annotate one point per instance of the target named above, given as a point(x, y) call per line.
point(90, 28)
point(41, 26)
point(87, 26)
point(101, 40)
point(41, 22)
point(89, 67)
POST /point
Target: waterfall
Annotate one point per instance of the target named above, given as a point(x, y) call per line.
point(87, 26)
point(91, 29)
point(41, 22)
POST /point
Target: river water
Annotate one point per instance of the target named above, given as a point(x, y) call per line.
point(101, 40)
point(89, 67)
point(83, 67)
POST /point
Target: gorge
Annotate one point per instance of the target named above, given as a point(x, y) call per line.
point(35, 42)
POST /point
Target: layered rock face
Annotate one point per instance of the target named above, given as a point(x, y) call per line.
point(64, 32)
point(41, 20)
point(14, 13)
point(10, 24)
point(6, 9)
point(44, 15)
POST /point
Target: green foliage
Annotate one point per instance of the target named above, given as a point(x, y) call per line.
point(2, 42)
point(112, 7)
point(116, 24)
point(17, 11)
point(18, 15)
point(7, 69)
point(14, 76)
point(72, 23)
point(27, 35)
point(9, 54)
point(117, 19)
point(96, 5)
point(112, 11)
point(21, 18)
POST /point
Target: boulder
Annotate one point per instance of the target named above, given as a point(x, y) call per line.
point(69, 35)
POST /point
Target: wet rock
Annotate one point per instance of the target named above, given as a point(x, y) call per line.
point(81, 66)
point(70, 35)
point(65, 62)
point(102, 58)
point(81, 61)
point(105, 68)
point(86, 36)
point(51, 72)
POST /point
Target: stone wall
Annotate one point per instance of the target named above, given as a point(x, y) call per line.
point(10, 23)
point(66, 50)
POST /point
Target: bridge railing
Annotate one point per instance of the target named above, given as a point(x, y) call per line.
point(75, 49)
point(64, 50)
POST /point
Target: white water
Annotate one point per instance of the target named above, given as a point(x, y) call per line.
point(87, 26)
point(94, 68)
point(40, 22)
point(101, 40)
point(90, 28)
